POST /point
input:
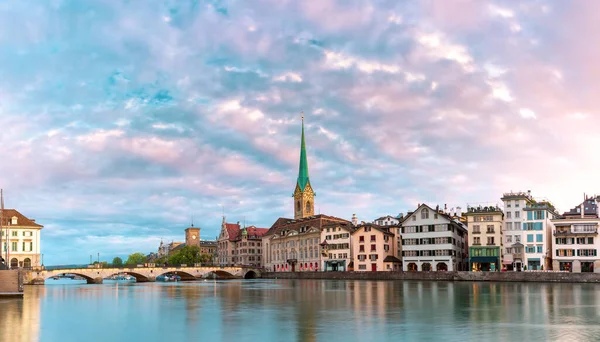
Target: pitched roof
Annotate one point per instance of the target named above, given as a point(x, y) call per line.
point(383, 229)
point(8, 214)
point(234, 231)
point(316, 221)
point(348, 226)
point(589, 209)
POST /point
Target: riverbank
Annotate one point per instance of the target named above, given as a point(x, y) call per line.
point(11, 284)
point(542, 277)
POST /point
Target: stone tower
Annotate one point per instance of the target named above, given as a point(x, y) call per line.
point(192, 236)
point(304, 196)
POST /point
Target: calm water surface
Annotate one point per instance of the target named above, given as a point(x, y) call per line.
point(307, 310)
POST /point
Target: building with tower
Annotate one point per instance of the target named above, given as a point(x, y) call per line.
point(192, 238)
point(294, 245)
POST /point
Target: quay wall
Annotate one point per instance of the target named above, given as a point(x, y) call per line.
point(544, 277)
point(11, 283)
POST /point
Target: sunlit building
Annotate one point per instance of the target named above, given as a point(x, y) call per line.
point(485, 224)
point(576, 243)
point(20, 240)
point(240, 246)
point(537, 235)
point(514, 215)
point(336, 246)
point(374, 248)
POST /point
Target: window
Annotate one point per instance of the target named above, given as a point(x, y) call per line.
point(372, 238)
point(14, 233)
point(538, 215)
point(424, 213)
point(591, 241)
point(362, 267)
point(373, 248)
point(13, 246)
point(508, 204)
point(476, 229)
point(539, 238)
point(529, 249)
point(508, 238)
point(517, 213)
point(490, 228)
point(508, 214)
point(414, 218)
point(539, 249)
point(361, 239)
point(476, 240)
point(490, 240)
point(508, 225)
point(435, 216)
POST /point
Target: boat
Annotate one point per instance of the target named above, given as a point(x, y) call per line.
point(168, 277)
point(122, 277)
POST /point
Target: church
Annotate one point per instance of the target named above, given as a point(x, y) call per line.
point(293, 245)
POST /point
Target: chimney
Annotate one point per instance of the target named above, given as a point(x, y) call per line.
point(582, 210)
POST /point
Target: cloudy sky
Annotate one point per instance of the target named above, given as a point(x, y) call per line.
point(122, 119)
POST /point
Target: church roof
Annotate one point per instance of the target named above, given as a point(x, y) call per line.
point(234, 231)
point(316, 221)
point(303, 168)
point(22, 221)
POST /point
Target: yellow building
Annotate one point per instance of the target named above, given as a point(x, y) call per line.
point(485, 238)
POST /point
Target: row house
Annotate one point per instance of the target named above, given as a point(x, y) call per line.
point(433, 241)
point(514, 216)
point(484, 226)
point(240, 246)
point(375, 248)
point(576, 242)
point(294, 245)
point(537, 235)
point(336, 251)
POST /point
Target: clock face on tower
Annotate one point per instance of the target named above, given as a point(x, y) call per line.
point(194, 237)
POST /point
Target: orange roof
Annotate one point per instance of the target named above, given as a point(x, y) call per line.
point(234, 230)
point(317, 221)
point(8, 214)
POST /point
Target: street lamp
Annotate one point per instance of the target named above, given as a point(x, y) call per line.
point(42, 259)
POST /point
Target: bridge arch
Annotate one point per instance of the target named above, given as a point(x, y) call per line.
point(139, 278)
point(220, 274)
point(251, 274)
point(88, 279)
point(185, 276)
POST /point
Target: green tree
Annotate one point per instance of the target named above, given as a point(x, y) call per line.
point(136, 258)
point(117, 262)
point(188, 255)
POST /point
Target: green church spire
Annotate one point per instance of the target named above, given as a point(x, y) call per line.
point(303, 169)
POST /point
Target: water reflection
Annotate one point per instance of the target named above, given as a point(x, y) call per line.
point(310, 310)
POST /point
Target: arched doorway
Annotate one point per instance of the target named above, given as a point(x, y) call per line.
point(27, 263)
point(14, 263)
point(442, 267)
point(412, 267)
point(426, 267)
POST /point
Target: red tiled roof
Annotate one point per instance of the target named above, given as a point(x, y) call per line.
point(234, 231)
point(8, 214)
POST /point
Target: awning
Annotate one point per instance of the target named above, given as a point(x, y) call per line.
point(484, 259)
point(533, 259)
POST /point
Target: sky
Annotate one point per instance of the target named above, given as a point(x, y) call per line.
point(122, 120)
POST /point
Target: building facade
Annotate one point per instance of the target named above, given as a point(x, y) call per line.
point(485, 226)
point(388, 220)
point(514, 216)
point(192, 238)
point(336, 246)
point(374, 249)
point(240, 246)
point(21, 240)
point(537, 235)
point(433, 241)
point(576, 243)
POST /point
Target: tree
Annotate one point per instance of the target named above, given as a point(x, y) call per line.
point(117, 262)
point(189, 255)
point(136, 258)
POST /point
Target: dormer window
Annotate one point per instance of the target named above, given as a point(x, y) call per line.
point(14, 220)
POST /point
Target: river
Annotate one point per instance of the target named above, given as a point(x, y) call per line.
point(302, 310)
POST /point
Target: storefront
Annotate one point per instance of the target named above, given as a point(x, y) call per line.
point(534, 264)
point(335, 266)
point(565, 266)
point(484, 259)
point(587, 266)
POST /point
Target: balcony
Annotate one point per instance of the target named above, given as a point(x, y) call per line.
point(476, 232)
point(576, 231)
point(491, 232)
point(491, 244)
point(476, 243)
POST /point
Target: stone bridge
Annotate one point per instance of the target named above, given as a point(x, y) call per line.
point(142, 274)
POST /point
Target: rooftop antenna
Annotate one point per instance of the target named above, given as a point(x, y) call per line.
point(192, 220)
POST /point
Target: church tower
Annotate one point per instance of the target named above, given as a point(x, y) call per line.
point(304, 196)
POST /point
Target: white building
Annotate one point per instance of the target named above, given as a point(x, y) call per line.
point(387, 221)
point(336, 246)
point(514, 215)
point(23, 240)
point(576, 241)
point(537, 235)
point(433, 241)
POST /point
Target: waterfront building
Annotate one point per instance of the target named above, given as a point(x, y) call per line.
point(336, 246)
point(433, 241)
point(576, 241)
point(240, 246)
point(484, 226)
point(293, 245)
point(374, 248)
point(514, 216)
point(21, 239)
point(537, 234)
